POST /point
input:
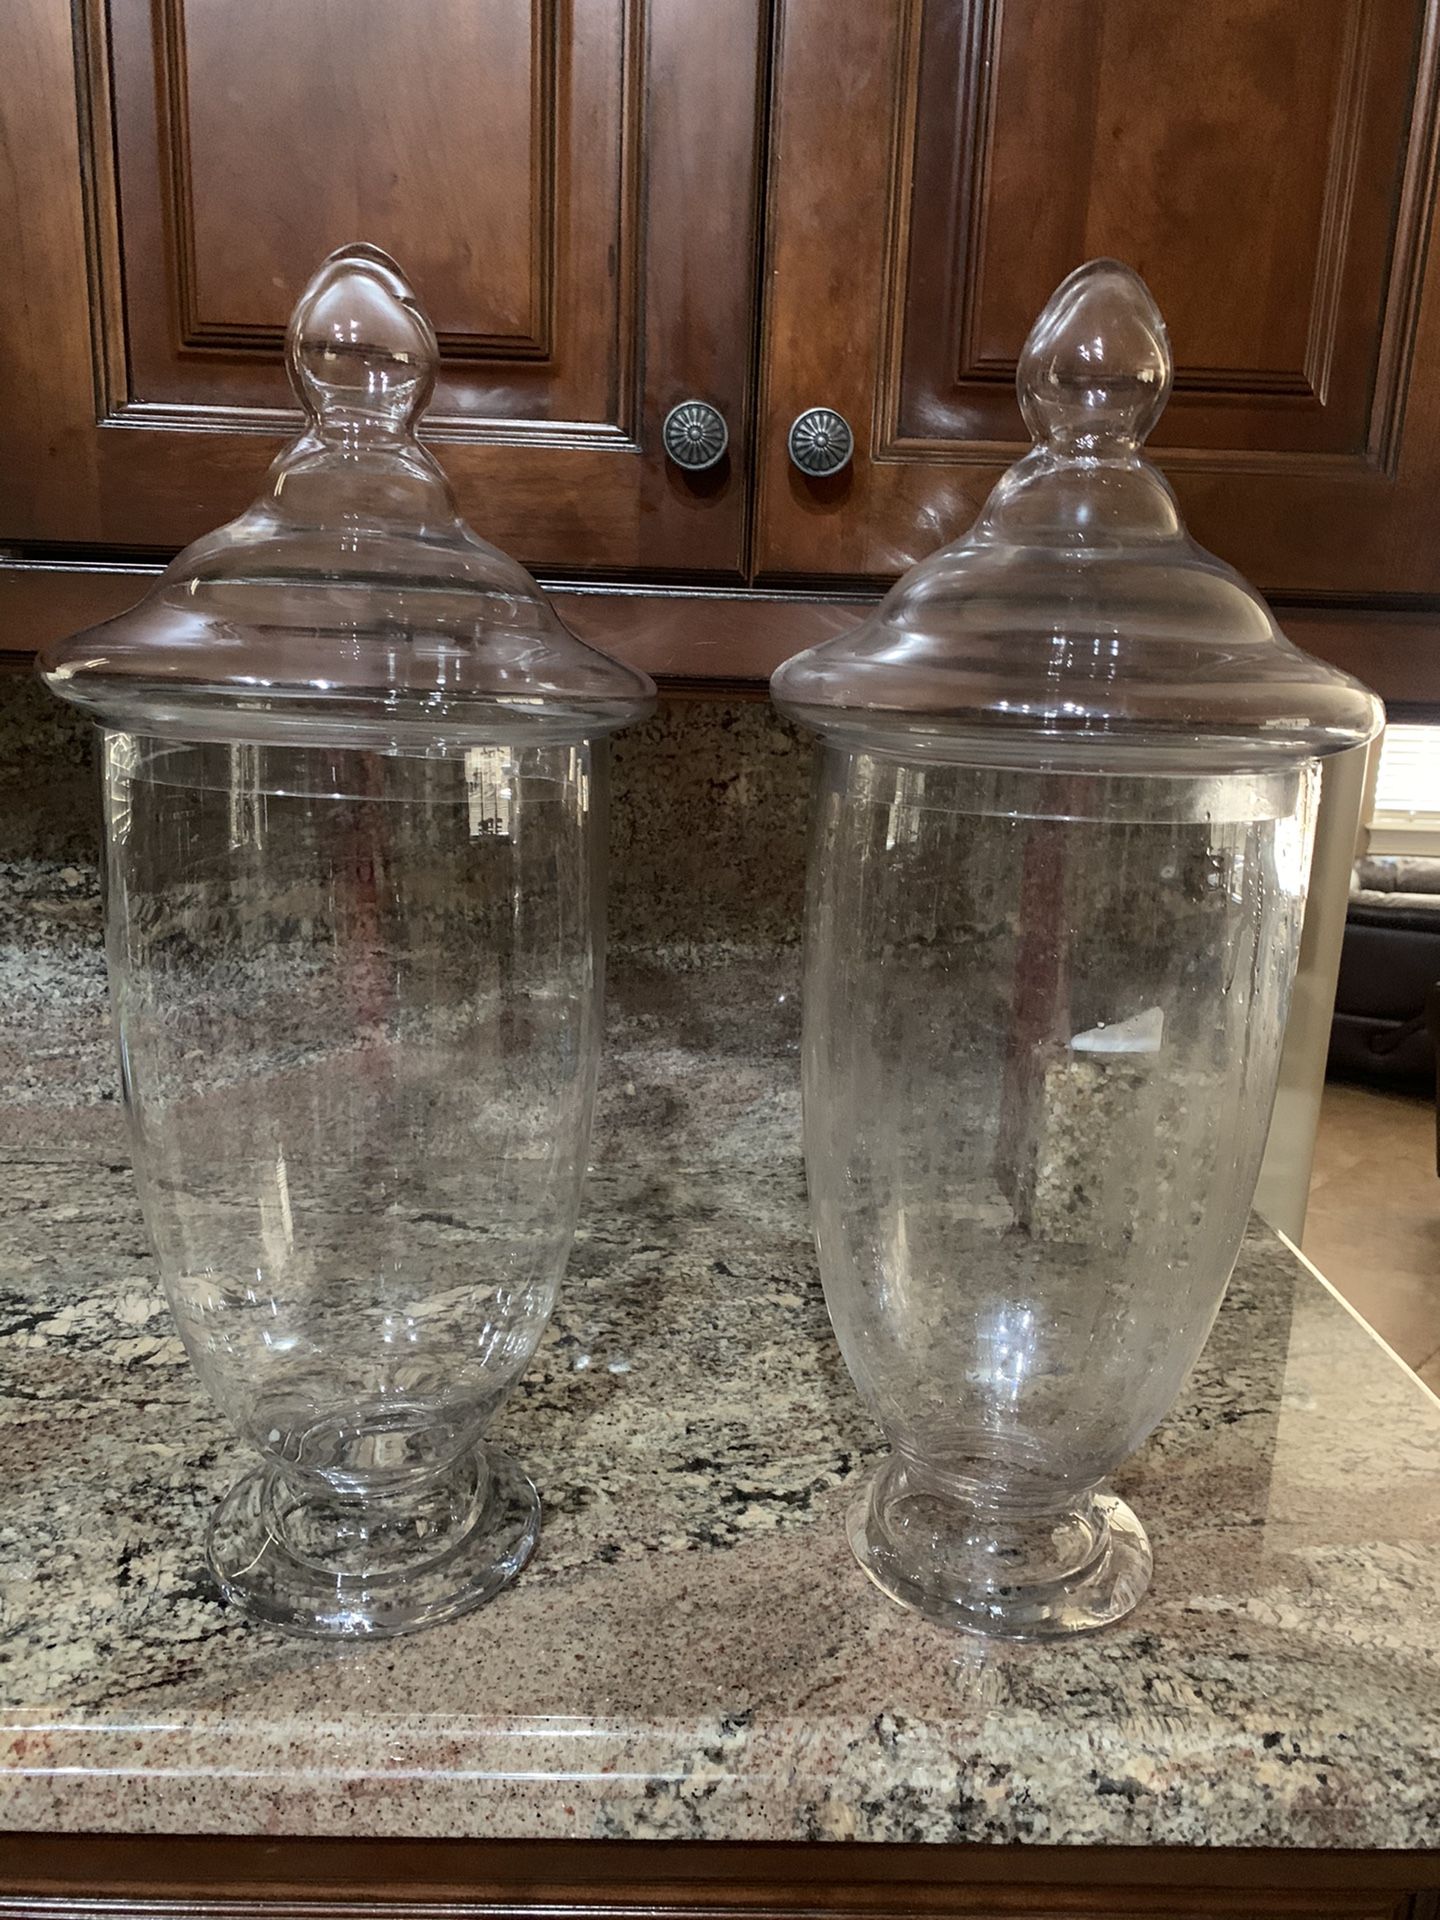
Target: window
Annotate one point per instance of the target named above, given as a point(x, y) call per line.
point(1405, 816)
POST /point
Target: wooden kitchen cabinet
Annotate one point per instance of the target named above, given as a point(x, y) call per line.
point(937, 166)
point(563, 184)
point(609, 206)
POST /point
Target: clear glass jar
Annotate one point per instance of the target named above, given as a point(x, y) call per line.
point(354, 776)
point(1061, 841)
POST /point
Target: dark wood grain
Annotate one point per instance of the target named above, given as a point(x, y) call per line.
point(335, 129)
point(536, 169)
point(143, 1877)
point(576, 191)
point(1268, 166)
point(1258, 205)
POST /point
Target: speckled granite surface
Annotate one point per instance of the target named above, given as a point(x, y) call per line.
point(692, 1653)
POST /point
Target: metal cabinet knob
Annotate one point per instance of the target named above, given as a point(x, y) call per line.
point(695, 435)
point(821, 442)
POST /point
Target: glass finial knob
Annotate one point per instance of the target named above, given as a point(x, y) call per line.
point(1096, 370)
point(359, 349)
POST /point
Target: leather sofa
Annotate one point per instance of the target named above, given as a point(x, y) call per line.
point(1389, 969)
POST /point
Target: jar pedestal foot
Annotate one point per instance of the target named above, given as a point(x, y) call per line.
point(1015, 1574)
point(341, 1566)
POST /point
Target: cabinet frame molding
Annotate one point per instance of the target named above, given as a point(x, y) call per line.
point(117, 407)
point(1414, 216)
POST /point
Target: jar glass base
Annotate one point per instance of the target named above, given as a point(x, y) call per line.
point(334, 1566)
point(1011, 1574)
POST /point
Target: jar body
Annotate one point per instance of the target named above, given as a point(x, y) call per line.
point(1043, 1020)
point(358, 1004)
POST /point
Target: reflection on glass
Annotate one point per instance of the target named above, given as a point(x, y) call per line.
point(354, 784)
point(1061, 839)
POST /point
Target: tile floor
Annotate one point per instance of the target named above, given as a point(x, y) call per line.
point(1373, 1225)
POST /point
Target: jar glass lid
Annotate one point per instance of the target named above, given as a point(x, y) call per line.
point(1077, 623)
point(350, 605)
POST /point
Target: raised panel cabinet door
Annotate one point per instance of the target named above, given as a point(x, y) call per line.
point(569, 185)
point(1269, 166)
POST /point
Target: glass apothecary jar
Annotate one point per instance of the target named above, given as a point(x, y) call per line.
point(1060, 847)
point(354, 775)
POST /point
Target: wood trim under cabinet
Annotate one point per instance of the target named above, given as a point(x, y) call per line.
point(719, 642)
point(159, 1877)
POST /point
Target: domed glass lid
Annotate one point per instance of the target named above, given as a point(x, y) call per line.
point(1077, 622)
point(350, 605)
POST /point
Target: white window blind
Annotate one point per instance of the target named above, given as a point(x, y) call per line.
point(1406, 815)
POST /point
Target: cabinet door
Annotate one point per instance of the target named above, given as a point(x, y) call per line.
point(1268, 165)
point(568, 184)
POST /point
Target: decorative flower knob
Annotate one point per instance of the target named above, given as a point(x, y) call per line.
point(821, 442)
point(695, 435)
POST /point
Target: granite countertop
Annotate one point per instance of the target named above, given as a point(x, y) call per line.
point(692, 1653)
